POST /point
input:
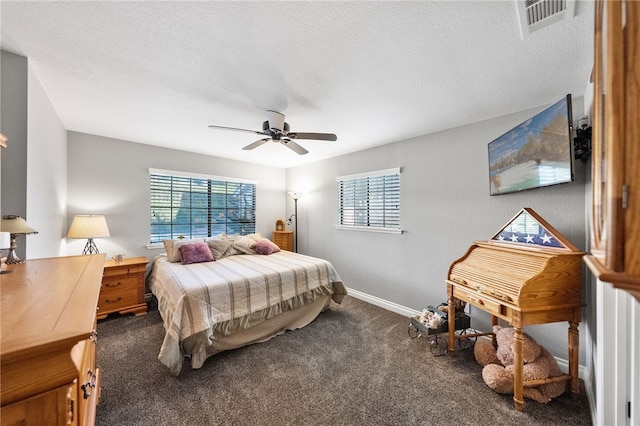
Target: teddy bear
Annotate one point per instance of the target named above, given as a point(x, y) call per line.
point(538, 363)
point(430, 319)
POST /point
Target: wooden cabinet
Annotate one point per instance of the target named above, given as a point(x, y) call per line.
point(123, 287)
point(283, 239)
point(48, 373)
point(615, 213)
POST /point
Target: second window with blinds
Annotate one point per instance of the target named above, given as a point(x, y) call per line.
point(370, 201)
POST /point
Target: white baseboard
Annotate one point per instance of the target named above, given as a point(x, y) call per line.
point(408, 312)
point(385, 304)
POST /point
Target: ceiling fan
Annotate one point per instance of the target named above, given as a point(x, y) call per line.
point(278, 131)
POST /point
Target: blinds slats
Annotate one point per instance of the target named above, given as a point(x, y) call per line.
point(370, 201)
point(195, 207)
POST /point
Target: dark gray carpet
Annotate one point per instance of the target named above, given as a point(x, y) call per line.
point(354, 365)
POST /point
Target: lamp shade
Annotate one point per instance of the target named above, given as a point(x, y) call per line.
point(295, 195)
point(15, 225)
point(88, 226)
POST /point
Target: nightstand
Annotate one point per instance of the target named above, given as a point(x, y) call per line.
point(283, 239)
point(123, 287)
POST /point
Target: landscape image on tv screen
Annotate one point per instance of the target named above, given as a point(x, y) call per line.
point(534, 154)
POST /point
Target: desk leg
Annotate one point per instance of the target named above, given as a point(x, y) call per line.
point(518, 388)
point(574, 346)
point(452, 321)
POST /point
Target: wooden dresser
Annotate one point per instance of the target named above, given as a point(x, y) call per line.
point(123, 287)
point(527, 274)
point(283, 239)
point(48, 373)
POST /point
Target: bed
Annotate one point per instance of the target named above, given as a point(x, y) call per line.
point(237, 299)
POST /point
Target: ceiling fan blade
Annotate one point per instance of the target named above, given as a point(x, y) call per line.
point(256, 144)
point(211, 126)
point(316, 136)
point(294, 146)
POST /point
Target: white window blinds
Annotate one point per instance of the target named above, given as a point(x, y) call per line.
point(370, 201)
point(200, 206)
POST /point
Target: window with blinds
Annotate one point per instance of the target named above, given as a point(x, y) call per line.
point(370, 201)
point(200, 206)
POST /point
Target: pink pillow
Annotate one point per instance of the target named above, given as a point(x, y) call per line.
point(195, 253)
point(265, 246)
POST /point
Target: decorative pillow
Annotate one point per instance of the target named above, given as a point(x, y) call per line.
point(220, 248)
point(171, 247)
point(195, 253)
point(265, 246)
point(244, 244)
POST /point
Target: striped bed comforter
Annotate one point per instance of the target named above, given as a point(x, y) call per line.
point(233, 293)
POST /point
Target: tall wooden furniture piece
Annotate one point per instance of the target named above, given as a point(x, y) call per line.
point(283, 239)
point(527, 274)
point(48, 373)
point(615, 214)
point(123, 287)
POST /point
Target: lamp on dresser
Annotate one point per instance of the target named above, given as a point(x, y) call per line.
point(89, 226)
point(15, 225)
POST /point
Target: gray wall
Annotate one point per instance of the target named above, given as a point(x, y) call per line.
point(34, 165)
point(111, 177)
point(445, 206)
point(13, 94)
point(46, 174)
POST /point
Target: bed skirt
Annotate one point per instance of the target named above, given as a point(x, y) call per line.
point(200, 347)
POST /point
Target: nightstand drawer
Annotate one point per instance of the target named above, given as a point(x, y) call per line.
point(124, 270)
point(117, 298)
point(119, 283)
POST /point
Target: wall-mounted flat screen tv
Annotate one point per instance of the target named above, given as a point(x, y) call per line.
point(534, 154)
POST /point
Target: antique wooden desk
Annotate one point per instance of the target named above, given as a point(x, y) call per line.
point(527, 274)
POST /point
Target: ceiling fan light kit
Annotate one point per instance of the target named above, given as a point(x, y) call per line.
point(277, 130)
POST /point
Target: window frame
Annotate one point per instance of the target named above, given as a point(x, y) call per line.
point(364, 178)
point(196, 176)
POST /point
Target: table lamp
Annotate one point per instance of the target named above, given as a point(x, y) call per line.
point(15, 225)
point(89, 226)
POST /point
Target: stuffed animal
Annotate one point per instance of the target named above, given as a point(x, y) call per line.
point(459, 306)
point(538, 363)
point(430, 319)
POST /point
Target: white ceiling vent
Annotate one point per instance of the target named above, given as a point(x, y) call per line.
point(537, 14)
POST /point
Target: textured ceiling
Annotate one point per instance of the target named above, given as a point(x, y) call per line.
point(372, 72)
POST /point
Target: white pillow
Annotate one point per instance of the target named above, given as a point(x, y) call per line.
point(244, 244)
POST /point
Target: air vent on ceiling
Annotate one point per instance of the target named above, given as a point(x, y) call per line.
point(537, 14)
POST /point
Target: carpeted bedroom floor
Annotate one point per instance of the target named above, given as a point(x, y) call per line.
point(354, 365)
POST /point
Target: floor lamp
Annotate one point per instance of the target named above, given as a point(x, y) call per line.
point(296, 196)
